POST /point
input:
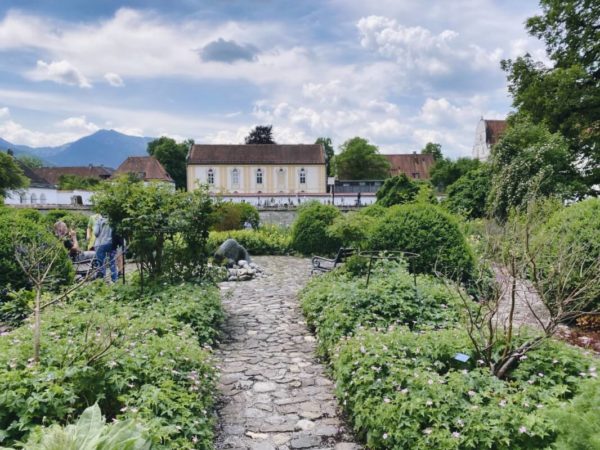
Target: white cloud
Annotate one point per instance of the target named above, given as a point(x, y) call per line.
point(62, 72)
point(18, 134)
point(114, 79)
point(4, 112)
point(79, 124)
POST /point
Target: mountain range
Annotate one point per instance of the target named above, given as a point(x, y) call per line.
point(107, 148)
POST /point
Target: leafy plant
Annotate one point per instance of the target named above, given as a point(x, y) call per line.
point(91, 432)
point(266, 240)
point(397, 190)
point(309, 231)
point(428, 231)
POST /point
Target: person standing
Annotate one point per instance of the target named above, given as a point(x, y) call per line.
point(89, 232)
point(104, 248)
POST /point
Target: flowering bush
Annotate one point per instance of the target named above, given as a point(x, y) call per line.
point(336, 304)
point(405, 390)
point(139, 358)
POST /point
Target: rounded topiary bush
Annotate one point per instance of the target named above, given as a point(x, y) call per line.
point(309, 231)
point(15, 229)
point(428, 231)
point(571, 238)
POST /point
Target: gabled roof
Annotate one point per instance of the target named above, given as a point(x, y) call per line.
point(410, 164)
point(146, 167)
point(256, 154)
point(35, 180)
point(493, 130)
point(52, 174)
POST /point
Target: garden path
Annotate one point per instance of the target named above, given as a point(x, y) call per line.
point(274, 393)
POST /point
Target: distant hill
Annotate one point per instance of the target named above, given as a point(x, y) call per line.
point(105, 147)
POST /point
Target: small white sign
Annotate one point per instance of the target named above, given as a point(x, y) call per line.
point(330, 181)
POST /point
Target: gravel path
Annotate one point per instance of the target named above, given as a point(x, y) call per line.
point(274, 393)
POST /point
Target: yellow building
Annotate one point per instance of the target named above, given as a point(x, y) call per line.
point(257, 169)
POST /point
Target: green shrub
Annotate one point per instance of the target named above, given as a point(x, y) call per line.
point(578, 422)
point(352, 229)
point(14, 231)
point(397, 190)
point(468, 195)
point(431, 233)
point(91, 432)
point(139, 358)
point(572, 234)
point(336, 305)
point(232, 216)
point(15, 306)
point(405, 390)
point(309, 231)
point(266, 240)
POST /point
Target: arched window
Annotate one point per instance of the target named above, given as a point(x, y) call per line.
point(259, 176)
point(22, 198)
point(281, 179)
point(302, 176)
point(210, 176)
point(43, 199)
point(33, 199)
point(235, 177)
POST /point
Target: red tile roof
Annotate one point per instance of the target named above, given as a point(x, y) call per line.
point(256, 154)
point(411, 164)
point(52, 174)
point(493, 130)
point(147, 167)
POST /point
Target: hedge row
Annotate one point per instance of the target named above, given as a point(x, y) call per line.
point(138, 357)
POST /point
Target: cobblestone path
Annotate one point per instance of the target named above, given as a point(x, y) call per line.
point(274, 393)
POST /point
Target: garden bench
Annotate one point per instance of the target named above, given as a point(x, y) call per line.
point(321, 264)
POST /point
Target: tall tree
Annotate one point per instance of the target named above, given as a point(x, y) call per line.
point(261, 134)
point(431, 148)
point(359, 160)
point(397, 190)
point(566, 96)
point(530, 162)
point(11, 175)
point(33, 162)
point(329, 152)
point(445, 171)
point(172, 156)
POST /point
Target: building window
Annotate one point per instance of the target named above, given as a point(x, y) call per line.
point(235, 177)
point(259, 176)
point(210, 176)
point(23, 198)
point(33, 199)
point(302, 176)
point(416, 175)
point(43, 199)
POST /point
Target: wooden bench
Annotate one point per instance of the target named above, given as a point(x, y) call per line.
point(321, 264)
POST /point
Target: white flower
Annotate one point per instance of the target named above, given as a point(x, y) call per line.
point(539, 406)
point(429, 381)
point(429, 403)
point(472, 393)
point(502, 403)
point(427, 431)
point(522, 430)
point(386, 400)
point(541, 375)
point(455, 434)
point(460, 422)
point(385, 436)
point(523, 358)
point(363, 350)
point(404, 391)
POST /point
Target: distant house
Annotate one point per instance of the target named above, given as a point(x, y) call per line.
point(42, 192)
point(146, 168)
point(258, 169)
point(415, 166)
point(487, 134)
point(53, 174)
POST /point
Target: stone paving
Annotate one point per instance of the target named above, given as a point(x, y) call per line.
point(274, 393)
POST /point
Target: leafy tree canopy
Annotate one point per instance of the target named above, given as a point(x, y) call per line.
point(69, 182)
point(445, 171)
point(359, 160)
point(329, 152)
point(31, 161)
point(468, 195)
point(528, 162)
point(434, 149)
point(261, 134)
point(566, 96)
point(172, 156)
point(397, 190)
point(11, 175)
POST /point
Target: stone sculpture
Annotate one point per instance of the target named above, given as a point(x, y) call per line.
point(231, 252)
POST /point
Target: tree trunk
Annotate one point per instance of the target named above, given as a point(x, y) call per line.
point(37, 332)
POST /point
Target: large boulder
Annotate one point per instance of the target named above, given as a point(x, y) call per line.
point(231, 252)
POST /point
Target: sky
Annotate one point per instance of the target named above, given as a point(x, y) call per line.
point(400, 73)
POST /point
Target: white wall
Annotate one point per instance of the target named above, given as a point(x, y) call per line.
point(43, 196)
point(481, 149)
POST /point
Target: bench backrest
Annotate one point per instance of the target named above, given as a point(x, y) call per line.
point(344, 253)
